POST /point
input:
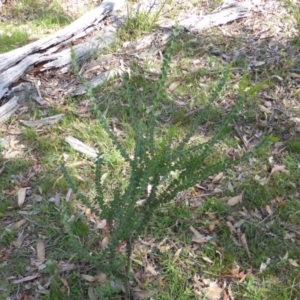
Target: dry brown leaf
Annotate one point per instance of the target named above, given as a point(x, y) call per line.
point(225, 295)
point(218, 177)
point(278, 77)
point(213, 292)
point(211, 215)
point(56, 182)
point(293, 262)
point(174, 85)
point(258, 63)
point(264, 109)
point(177, 253)
point(88, 277)
point(230, 293)
point(286, 256)
point(217, 190)
point(57, 200)
point(88, 212)
point(68, 195)
point(240, 275)
point(289, 236)
point(277, 168)
point(180, 103)
point(151, 270)
point(65, 283)
point(230, 187)
point(91, 293)
point(142, 295)
point(239, 223)
point(268, 103)
point(294, 75)
point(245, 244)
point(19, 224)
point(81, 147)
point(140, 203)
point(161, 282)
point(103, 177)
point(256, 214)
point(27, 278)
point(231, 227)
point(101, 224)
point(139, 262)
point(196, 232)
point(207, 259)
point(12, 154)
point(163, 249)
point(202, 240)
point(212, 225)
point(235, 200)
point(18, 242)
point(105, 242)
point(79, 178)
point(268, 209)
point(13, 143)
point(262, 267)
point(40, 249)
point(101, 278)
point(230, 219)
point(66, 267)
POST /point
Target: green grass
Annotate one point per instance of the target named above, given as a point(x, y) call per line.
point(12, 39)
point(29, 20)
point(41, 15)
point(137, 24)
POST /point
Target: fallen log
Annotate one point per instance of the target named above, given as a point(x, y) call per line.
point(15, 63)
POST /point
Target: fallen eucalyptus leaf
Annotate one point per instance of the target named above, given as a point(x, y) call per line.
point(235, 200)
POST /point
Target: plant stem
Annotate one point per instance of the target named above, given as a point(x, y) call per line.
point(127, 270)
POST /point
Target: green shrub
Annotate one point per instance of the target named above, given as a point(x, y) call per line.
point(163, 167)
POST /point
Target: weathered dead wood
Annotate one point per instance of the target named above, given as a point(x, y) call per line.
point(82, 51)
point(25, 90)
point(43, 122)
point(225, 14)
point(14, 63)
point(8, 109)
point(17, 95)
point(100, 79)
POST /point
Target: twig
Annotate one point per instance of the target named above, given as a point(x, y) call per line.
point(245, 142)
point(127, 271)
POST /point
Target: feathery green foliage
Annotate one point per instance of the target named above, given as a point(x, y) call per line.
point(162, 167)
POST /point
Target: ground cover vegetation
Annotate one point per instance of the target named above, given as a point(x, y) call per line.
point(231, 234)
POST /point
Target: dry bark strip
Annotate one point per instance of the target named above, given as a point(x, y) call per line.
point(81, 147)
point(44, 121)
point(225, 13)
